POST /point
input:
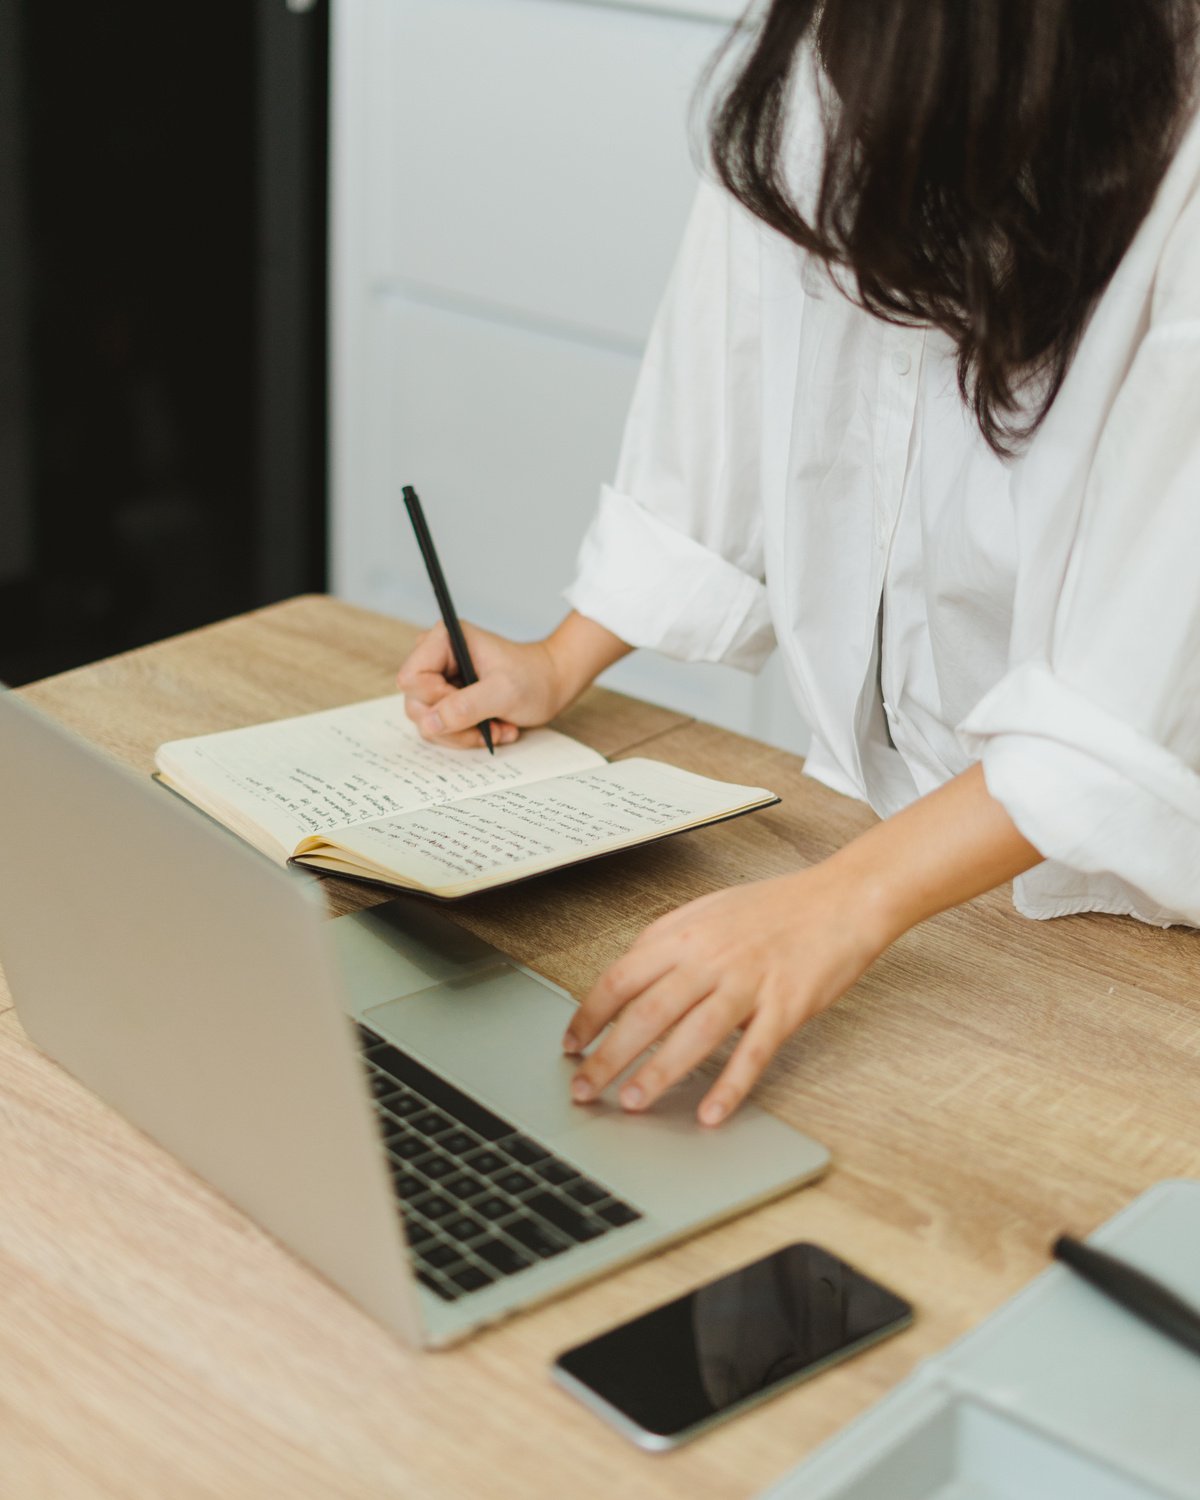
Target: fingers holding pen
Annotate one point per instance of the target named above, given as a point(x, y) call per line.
point(454, 716)
point(517, 687)
point(433, 700)
point(427, 706)
point(432, 654)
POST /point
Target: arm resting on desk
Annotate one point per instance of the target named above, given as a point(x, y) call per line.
point(768, 956)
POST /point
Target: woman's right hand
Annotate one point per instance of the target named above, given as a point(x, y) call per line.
point(521, 684)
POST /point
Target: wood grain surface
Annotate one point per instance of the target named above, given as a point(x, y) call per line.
point(990, 1082)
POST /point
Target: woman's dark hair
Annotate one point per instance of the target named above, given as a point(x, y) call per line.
point(987, 163)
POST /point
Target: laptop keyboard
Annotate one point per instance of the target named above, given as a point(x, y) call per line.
point(480, 1199)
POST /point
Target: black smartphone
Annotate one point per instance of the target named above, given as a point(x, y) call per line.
point(681, 1368)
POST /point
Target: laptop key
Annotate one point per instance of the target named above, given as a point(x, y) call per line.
point(586, 1191)
point(514, 1181)
point(563, 1216)
point(555, 1171)
point(485, 1162)
point(381, 1084)
point(522, 1149)
point(471, 1278)
point(391, 1128)
point(440, 1255)
point(408, 1147)
point(403, 1104)
point(535, 1237)
point(505, 1259)
point(618, 1213)
point(422, 1098)
point(447, 1294)
point(465, 1186)
point(463, 1228)
point(407, 1184)
point(435, 1206)
point(417, 1232)
point(440, 1094)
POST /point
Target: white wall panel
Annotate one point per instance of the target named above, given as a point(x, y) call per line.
point(709, 10)
point(508, 489)
point(536, 155)
point(510, 180)
point(502, 431)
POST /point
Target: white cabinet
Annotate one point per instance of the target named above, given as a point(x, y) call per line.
point(538, 156)
point(510, 179)
point(507, 489)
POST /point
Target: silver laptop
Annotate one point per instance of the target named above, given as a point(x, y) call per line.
point(384, 1092)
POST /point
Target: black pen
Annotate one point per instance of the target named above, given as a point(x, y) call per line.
point(1136, 1292)
point(462, 657)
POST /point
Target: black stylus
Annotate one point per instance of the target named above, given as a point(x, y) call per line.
point(462, 657)
point(1138, 1293)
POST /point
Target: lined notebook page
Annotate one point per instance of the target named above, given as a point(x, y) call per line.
point(310, 775)
point(552, 823)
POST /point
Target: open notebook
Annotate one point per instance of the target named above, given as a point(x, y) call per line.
point(355, 790)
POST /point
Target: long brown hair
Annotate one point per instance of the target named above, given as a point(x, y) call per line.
point(986, 165)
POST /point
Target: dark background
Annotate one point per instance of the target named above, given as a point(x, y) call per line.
point(162, 319)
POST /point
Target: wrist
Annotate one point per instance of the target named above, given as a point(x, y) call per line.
point(577, 651)
point(948, 847)
point(877, 892)
point(864, 901)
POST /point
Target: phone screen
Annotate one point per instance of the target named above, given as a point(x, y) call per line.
point(682, 1365)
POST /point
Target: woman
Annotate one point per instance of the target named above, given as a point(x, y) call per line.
point(922, 406)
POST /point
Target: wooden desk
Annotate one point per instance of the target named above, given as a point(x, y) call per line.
point(990, 1082)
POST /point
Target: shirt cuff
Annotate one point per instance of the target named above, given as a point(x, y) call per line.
point(654, 586)
point(1090, 791)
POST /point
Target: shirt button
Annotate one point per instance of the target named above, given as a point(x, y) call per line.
point(901, 362)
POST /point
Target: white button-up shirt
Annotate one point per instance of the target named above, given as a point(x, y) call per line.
point(795, 471)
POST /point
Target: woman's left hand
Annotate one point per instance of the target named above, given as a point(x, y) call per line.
point(764, 958)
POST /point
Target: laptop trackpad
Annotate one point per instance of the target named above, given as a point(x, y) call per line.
point(498, 1035)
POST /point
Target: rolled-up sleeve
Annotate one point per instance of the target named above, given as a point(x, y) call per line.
point(673, 559)
point(1092, 740)
point(1095, 796)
